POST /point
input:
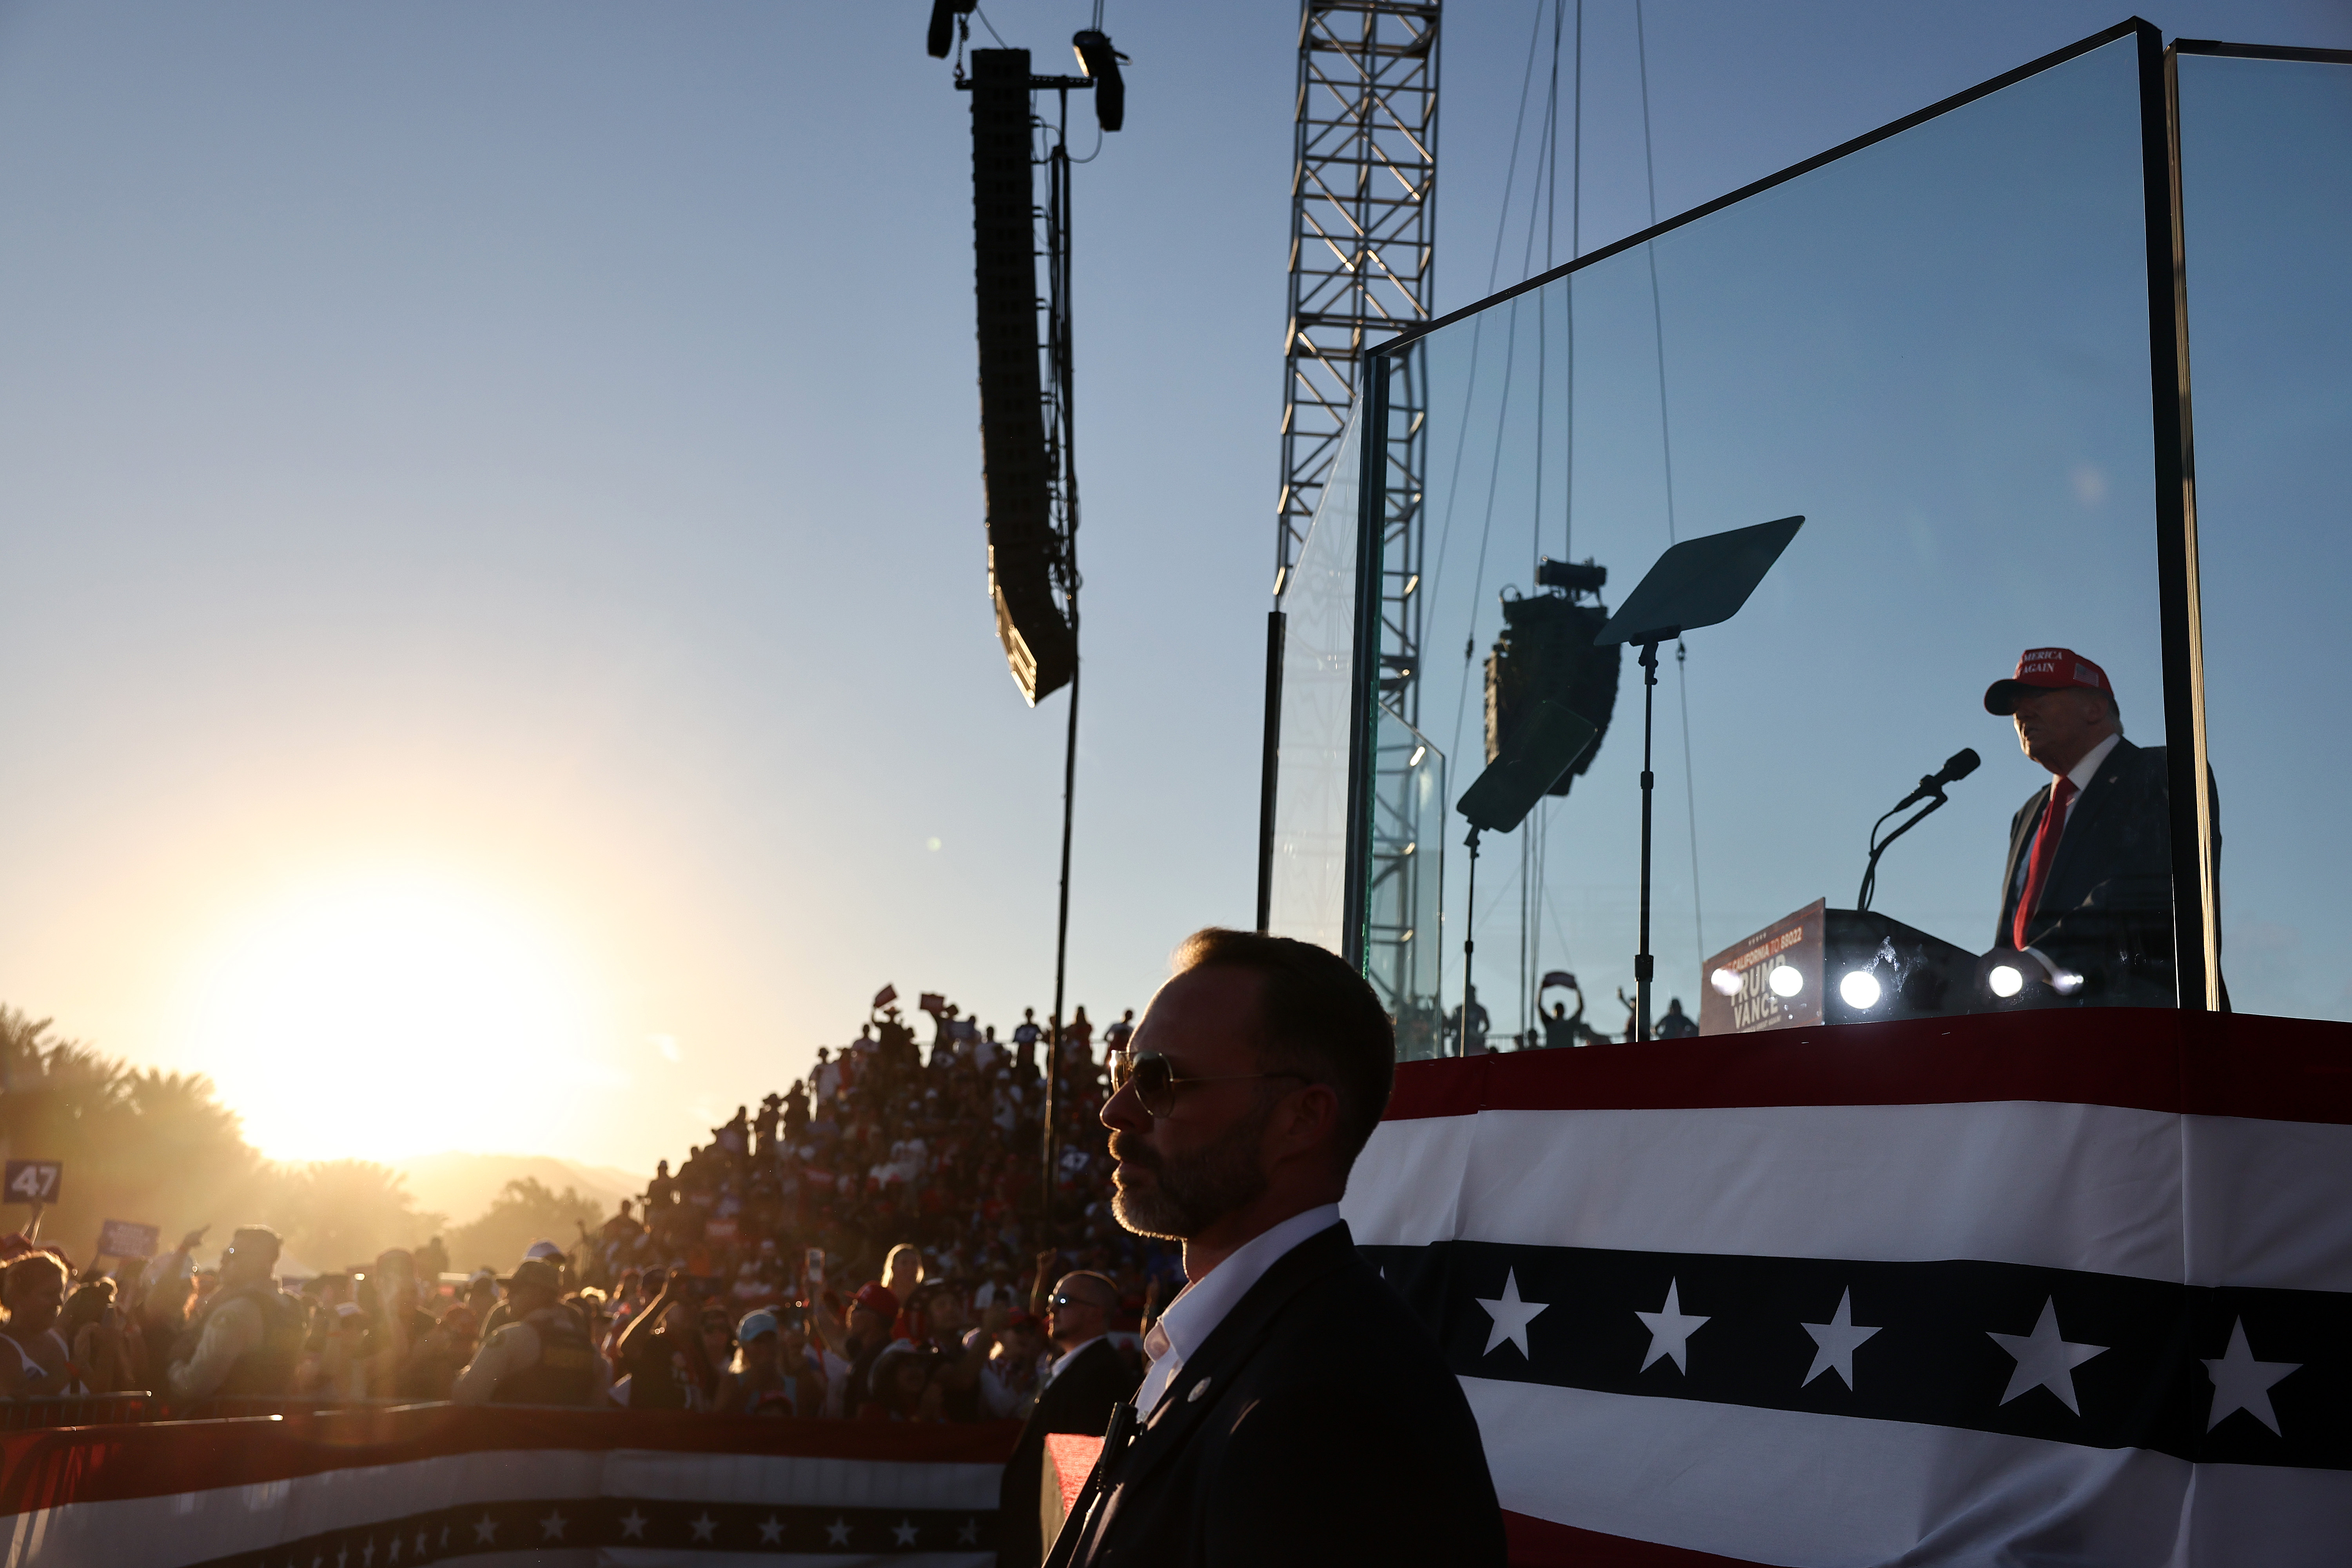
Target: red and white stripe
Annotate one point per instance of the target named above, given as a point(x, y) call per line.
point(2165, 1146)
point(167, 1494)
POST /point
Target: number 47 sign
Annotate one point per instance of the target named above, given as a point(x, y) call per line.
point(33, 1181)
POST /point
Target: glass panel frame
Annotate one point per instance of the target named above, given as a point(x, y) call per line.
point(2252, 589)
point(2193, 873)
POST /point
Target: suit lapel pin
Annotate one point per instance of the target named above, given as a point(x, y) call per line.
point(1199, 1389)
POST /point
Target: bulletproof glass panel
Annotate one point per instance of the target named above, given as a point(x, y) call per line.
point(1935, 349)
point(2266, 220)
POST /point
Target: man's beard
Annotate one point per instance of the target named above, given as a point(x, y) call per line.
point(1187, 1196)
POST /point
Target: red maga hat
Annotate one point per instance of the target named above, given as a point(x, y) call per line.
point(2045, 669)
point(875, 1297)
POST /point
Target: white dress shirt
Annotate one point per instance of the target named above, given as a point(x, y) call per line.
point(1202, 1305)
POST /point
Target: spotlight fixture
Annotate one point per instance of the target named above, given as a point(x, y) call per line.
point(1726, 982)
point(1861, 990)
point(2006, 980)
point(1100, 62)
point(1785, 980)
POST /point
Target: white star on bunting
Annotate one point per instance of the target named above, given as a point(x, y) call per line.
point(1511, 1315)
point(485, 1531)
point(1835, 1342)
point(837, 1532)
point(905, 1531)
point(2242, 1382)
point(551, 1527)
point(1670, 1330)
point(705, 1527)
point(771, 1532)
point(969, 1534)
point(2045, 1360)
point(633, 1525)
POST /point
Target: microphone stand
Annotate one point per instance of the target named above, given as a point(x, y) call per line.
point(1878, 846)
point(1469, 944)
point(1643, 964)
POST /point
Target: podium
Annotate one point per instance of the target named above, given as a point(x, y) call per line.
point(1821, 966)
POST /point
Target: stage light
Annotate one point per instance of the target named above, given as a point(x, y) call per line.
point(1785, 981)
point(1100, 62)
point(1418, 752)
point(1726, 983)
point(1861, 990)
point(2006, 980)
point(2064, 981)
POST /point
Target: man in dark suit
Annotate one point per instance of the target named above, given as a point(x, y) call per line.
point(1296, 1411)
point(2088, 883)
point(1088, 1381)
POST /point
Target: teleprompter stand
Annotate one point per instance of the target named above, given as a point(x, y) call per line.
point(1698, 583)
point(1543, 748)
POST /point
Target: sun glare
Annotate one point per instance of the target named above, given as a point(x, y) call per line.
point(394, 1015)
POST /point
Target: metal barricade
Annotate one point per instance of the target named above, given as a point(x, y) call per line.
point(77, 1410)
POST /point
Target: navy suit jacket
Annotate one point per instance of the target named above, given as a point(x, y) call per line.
point(2106, 910)
point(1318, 1423)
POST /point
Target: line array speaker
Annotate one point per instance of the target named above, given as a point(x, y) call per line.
point(1546, 652)
point(1022, 544)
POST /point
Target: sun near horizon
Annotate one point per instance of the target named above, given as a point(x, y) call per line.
point(386, 1012)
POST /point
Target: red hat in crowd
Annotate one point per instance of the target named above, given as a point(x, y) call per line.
point(875, 1297)
point(2045, 669)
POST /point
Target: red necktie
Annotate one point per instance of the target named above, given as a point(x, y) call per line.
point(2045, 849)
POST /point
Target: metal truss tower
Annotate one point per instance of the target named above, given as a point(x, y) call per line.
point(1363, 224)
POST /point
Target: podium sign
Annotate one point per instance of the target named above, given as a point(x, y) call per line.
point(1772, 980)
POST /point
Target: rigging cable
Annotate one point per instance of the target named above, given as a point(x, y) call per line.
point(1534, 838)
point(1666, 447)
point(1494, 267)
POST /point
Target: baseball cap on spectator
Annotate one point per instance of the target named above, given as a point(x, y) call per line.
point(754, 1324)
point(875, 1297)
point(2045, 669)
point(544, 1249)
point(534, 1274)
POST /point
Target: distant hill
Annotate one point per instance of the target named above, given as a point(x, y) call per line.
point(463, 1185)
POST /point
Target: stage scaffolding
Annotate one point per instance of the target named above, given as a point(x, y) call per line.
point(1363, 215)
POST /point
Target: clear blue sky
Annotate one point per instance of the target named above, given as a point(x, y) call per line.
point(490, 501)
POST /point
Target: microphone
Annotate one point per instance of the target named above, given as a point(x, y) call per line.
point(1956, 766)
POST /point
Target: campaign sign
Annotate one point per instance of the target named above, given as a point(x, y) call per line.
point(1772, 980)
point(33, 1181)
point(128, 1238)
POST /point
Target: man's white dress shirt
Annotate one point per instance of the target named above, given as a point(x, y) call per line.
point(1202, 1305)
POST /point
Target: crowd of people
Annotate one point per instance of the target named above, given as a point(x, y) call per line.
point(878, 1241)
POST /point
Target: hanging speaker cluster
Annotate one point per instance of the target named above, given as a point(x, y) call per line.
point(1546, 652)
point(1023, 546)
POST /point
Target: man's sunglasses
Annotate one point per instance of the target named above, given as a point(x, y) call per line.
point(1156, 1083)
point(1064, 1300)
